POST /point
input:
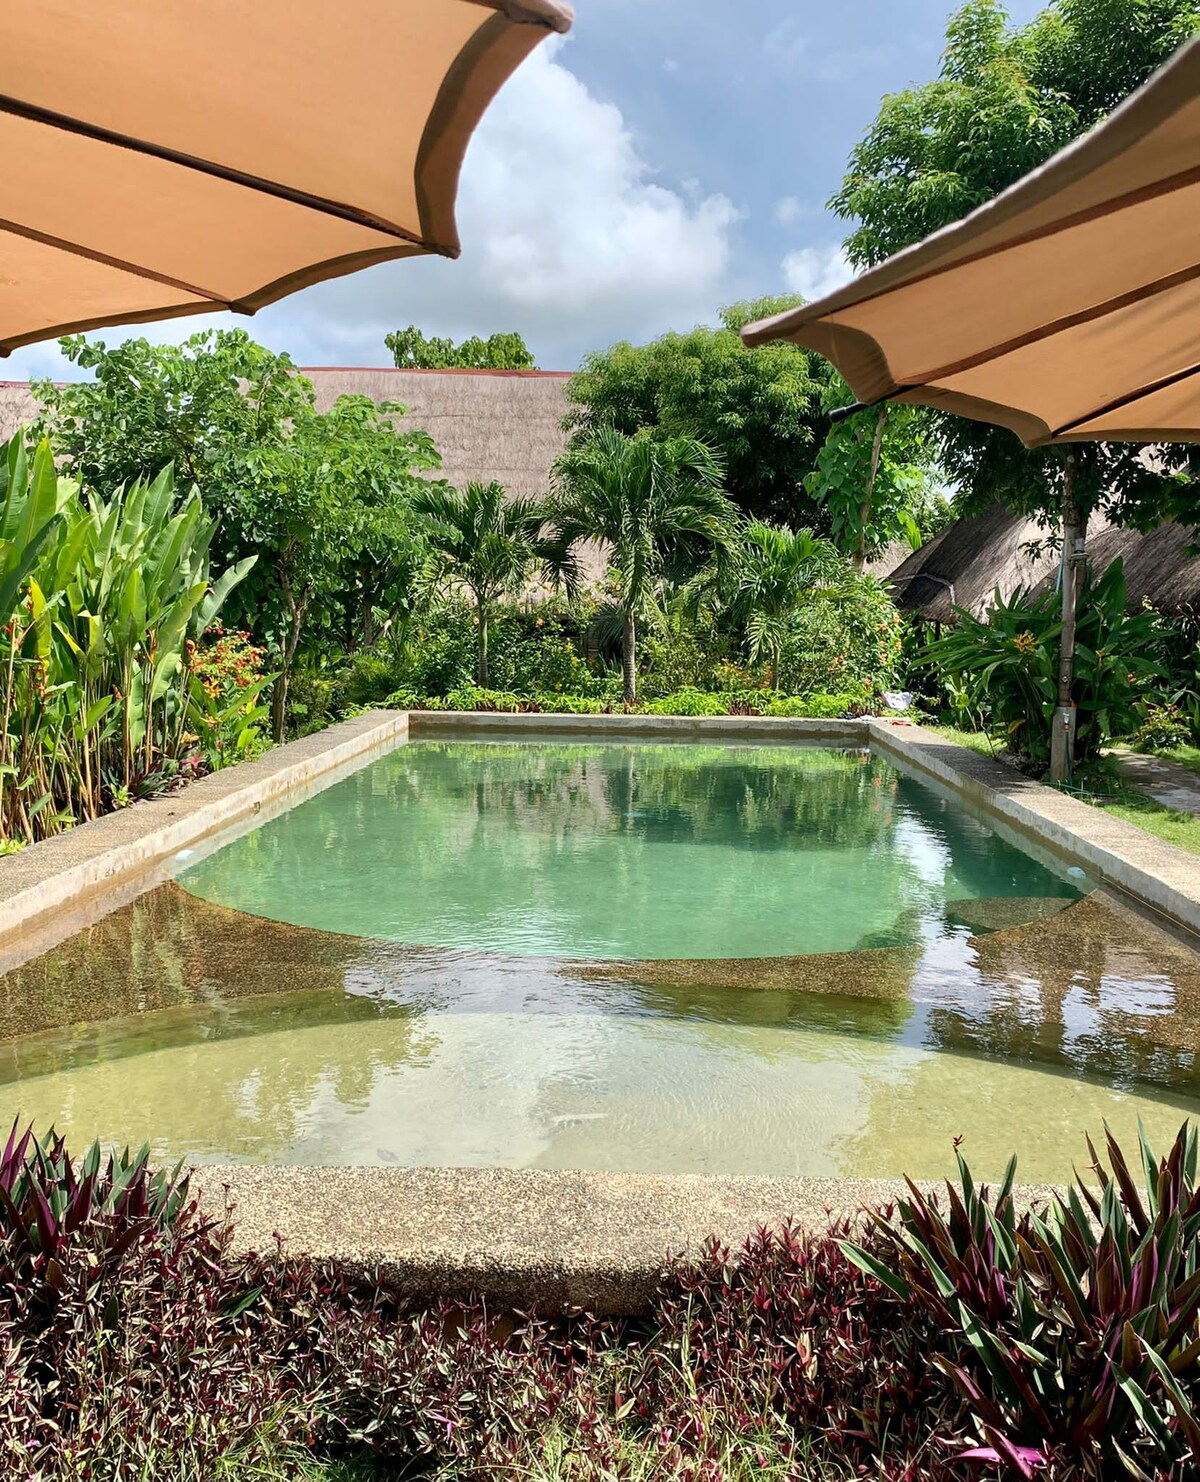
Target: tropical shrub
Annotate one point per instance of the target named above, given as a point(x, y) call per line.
point(1006, 665)
point(488, 543)
point(123, 1348)
point(687, 701)
point(846, 637)
point(101, 604)
point(659, 505)
point(1164, 727)
point(1075, 1332)
point(227, 680)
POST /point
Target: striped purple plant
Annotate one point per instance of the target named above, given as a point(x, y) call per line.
point(1073, 1328)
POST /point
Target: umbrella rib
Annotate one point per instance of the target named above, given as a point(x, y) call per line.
point(34, 113)
point(1058, 326)
point(1150, 192)
point(1123, 401)
point(77, 249)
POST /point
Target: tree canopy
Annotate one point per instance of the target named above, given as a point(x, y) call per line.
point(323, 500)
point(761, 411)
point(648, 499)
point(1007, 97)
point(412, 350)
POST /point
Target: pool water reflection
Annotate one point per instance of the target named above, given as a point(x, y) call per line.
point(980, 995)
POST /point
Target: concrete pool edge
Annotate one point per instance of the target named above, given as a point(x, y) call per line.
point(64, 883)
point(522, 1237)
point(94, 863)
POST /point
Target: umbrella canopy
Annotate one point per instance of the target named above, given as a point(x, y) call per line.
point(174, 158)
point(1067, 309)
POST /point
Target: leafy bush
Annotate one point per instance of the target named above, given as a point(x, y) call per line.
point(123, 1348)
point(1164, 727)
point(1006, 665)
point(843, 639)
point(1074, 1332)
point(370, 678)
point(227, 680)
point(133, 1344)
point(684, 702)
point(687, 701)
point(98, 602)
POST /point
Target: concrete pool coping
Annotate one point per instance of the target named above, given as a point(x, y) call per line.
point(557, 1240)
point(523, 1235)
point(97, 866)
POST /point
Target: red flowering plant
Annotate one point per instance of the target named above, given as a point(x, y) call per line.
point(226, 681)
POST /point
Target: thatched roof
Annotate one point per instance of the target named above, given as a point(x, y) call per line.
point(17, 407)
point(1160, 567)
point(966, 564)
point(504, 425)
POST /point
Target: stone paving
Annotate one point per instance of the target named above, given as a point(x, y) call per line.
point(1161, 780)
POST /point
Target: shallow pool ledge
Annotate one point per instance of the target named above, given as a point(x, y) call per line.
point(94, 862)
point(1116, 853)
point(521, 1236)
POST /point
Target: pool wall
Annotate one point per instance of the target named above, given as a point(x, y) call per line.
point(560, 1240)
point(54, 888)
point(1157, 876)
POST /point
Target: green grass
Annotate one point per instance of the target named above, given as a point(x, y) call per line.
point(1102, 786)
point(1173, 827)
point(979, 741)
point(1104, 789)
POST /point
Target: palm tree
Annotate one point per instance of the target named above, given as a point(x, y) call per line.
point(490, 544)
point(772, 572)
point(649, 500)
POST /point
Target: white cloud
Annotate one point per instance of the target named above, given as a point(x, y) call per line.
point(567, 236)
point(670, 64)
point(816, 271)
point(792, 209)
point(791, 48)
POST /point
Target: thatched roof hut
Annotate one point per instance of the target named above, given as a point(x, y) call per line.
point(997, 550)
point(967, 561)
point(504, 425)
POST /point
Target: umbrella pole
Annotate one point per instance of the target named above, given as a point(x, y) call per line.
point(1074, 535)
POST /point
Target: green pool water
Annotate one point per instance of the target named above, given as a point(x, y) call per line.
point(632, 852)
point(637, 957)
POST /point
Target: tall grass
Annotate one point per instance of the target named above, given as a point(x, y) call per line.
point(101, 605)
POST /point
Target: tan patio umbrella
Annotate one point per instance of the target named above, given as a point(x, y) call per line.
point(1066, 309)
point(167, 157)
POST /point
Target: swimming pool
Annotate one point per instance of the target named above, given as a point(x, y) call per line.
point(625, 956)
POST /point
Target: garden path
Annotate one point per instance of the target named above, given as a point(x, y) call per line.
point(1161, 780)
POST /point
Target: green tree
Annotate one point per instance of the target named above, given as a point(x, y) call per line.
point(761, 411)
point(876, 477)
point(324, 501)
point(1007, 98)
point(412, 350)
point(489, 544)
point(323, 504)
point(650, 500)
point(772, 572)
point(195, 405)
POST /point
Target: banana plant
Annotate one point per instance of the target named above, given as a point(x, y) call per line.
point(104, 598)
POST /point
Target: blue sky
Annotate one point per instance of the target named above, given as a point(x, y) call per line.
point(669, 157)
